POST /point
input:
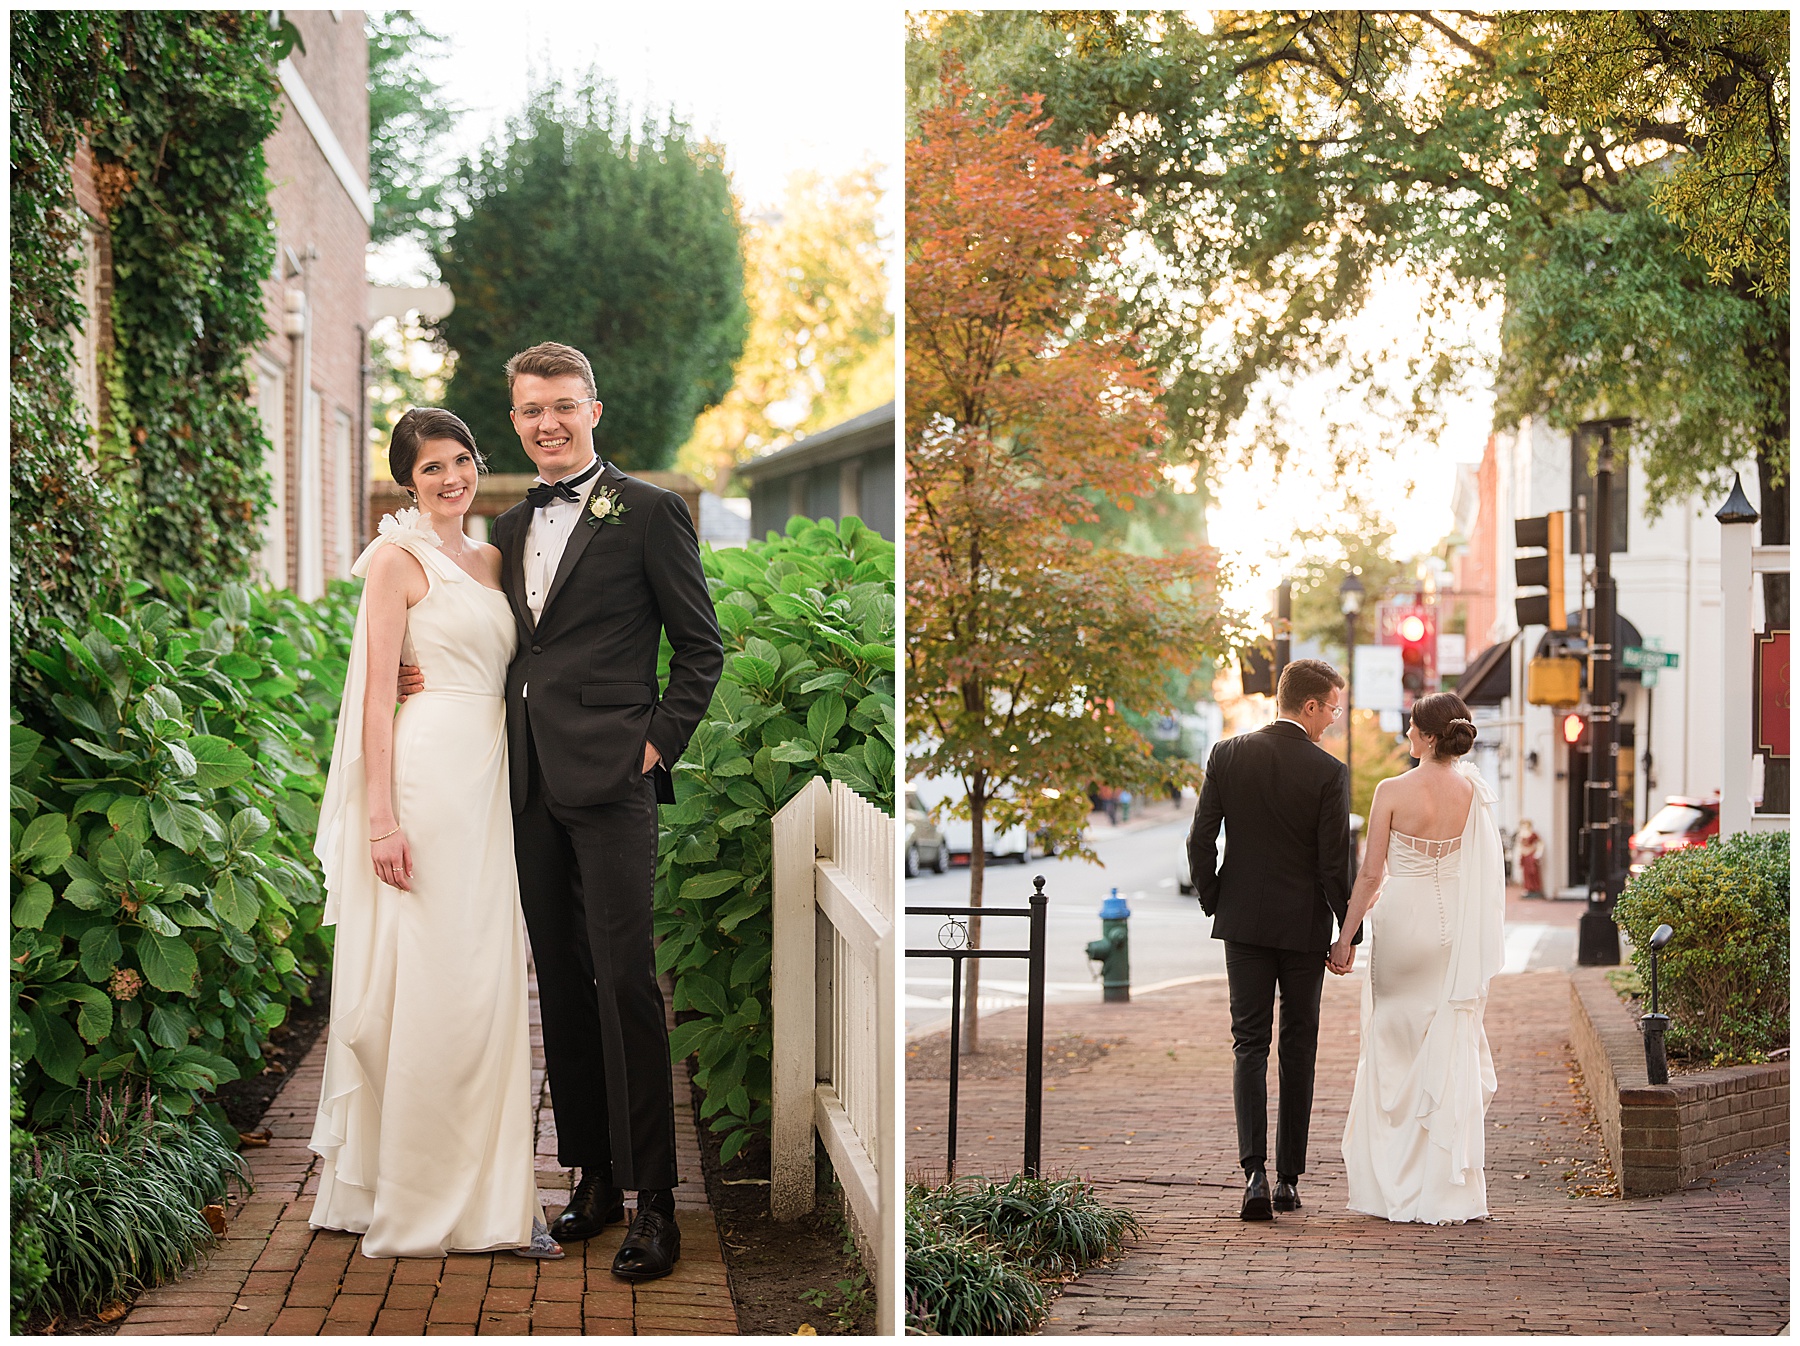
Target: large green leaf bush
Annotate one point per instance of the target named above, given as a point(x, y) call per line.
point(167, 760)
point(808, 690)
point(1724, 974)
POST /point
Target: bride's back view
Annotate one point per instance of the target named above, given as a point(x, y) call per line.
point(1413, 1140)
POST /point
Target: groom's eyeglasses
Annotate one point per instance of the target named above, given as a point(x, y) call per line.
point(563, 409)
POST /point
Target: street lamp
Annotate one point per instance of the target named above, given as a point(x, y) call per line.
point(1350, 599)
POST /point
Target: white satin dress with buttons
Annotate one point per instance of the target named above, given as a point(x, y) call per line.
point(1414, 1138)
point(425, 1116)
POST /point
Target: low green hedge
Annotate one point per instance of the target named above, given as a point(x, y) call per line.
point(167, 761)
point(808, 690)
point(1724, 973)
point(980, 1255)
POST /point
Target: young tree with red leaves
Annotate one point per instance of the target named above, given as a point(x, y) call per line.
point(1025, 401)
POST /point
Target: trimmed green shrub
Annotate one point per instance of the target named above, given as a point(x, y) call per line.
point(166, 767)
point(116, 1197)
point(808, 690)
point(1725, 973)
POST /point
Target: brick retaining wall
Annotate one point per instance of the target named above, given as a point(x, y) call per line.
point(1663, 1136)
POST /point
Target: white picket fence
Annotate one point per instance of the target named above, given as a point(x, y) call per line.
point(832, 982)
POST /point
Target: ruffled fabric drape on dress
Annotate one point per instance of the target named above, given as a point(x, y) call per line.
point(425, 1116)
point(1414, 1139)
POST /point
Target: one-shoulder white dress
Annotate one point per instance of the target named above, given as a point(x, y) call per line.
point(1414, 1138)
point(425, 1116)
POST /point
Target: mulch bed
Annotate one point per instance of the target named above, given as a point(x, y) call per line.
point(772, 1265)
point(928, 1058)
point(245, 1100)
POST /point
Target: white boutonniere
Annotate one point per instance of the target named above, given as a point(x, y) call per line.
point(604, 506)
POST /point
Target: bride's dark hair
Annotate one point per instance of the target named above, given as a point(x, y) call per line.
point(1444, 717)
point(419, 425)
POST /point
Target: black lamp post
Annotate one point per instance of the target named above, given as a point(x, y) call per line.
point(1350, 599)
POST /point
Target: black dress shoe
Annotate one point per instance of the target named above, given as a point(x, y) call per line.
point(1287, 1193)
point(651, 1248)
point(1256, 1198)
point(592, 1206)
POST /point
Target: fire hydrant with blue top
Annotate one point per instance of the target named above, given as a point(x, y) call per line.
point(1113, 949)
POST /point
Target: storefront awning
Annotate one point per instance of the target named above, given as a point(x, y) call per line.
point(1487, 681)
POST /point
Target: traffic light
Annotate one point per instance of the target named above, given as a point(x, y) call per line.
point(1543, 533)
point(1415, 629)
point(1575, 729)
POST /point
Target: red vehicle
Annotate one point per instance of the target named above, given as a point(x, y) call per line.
point(1679, 823)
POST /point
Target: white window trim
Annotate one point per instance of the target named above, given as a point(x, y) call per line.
point(325, 138)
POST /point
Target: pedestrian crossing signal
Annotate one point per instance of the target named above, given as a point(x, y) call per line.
point(1575, 729)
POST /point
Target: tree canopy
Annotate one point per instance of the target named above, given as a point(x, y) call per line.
point(408, 120)
point(619, 238)
point(1283, 167)
point(821, 343)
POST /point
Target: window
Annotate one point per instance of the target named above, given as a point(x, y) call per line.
point(343, 482)
point(310, 582)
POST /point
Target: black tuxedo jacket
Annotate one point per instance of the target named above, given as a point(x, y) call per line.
point(1285, 804)
point(590, 662)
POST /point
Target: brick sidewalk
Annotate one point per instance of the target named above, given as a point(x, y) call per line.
point(273, 1274)
point(1151, 1123)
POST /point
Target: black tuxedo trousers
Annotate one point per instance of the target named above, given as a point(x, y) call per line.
point(587, 876)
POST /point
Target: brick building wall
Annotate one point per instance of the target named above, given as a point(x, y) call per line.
point(96, 335)
point(319, 525)
point(1476, 566)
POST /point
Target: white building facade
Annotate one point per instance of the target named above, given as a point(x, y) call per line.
point(1668, 594)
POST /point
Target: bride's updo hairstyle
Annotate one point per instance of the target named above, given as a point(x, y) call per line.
point(415, 428)
point(1444, 717)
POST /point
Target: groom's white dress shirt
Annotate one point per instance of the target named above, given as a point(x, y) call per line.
point(547, 537)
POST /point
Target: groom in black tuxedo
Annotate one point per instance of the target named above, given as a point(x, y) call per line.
point(1285, 806)
point(598, 567)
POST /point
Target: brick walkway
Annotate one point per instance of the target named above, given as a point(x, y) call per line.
point(273, 1274)
point(1151, 1123)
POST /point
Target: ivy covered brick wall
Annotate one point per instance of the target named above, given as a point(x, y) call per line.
point(176, 106)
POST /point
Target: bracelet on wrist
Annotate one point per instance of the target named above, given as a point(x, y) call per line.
point(385, 835)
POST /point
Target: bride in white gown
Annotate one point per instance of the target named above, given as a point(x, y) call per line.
point(425, 1117)
point(1414, 1137)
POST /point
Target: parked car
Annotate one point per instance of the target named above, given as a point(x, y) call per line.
point(923, 840)
point(1012, 843)
point(1681, 822)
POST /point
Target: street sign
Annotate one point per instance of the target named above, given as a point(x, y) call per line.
point(1377, 670)
point(1452, 653)
point(1635, 656)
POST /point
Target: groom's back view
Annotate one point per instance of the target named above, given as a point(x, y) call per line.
point(1284, 802)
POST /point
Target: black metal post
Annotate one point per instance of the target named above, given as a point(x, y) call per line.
point(1034, 1033)
point(1599, 937)
point(956, 965)
point(1656, 1053)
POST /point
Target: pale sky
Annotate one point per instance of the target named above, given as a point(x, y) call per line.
point(1252, 518)
point(782, 86)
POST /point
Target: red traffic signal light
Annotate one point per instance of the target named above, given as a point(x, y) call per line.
point(1412, 628)
point(1574, 729)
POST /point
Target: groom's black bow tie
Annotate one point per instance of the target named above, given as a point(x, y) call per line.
point(544, 492)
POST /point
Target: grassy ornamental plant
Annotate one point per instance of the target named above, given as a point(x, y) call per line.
point(116, 1198)
point(808, 690)
point(1725, 973)
point(980, 1254)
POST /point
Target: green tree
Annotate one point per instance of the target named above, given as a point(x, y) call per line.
point(618, 239)
point(1024, 401)
point(408, 120)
